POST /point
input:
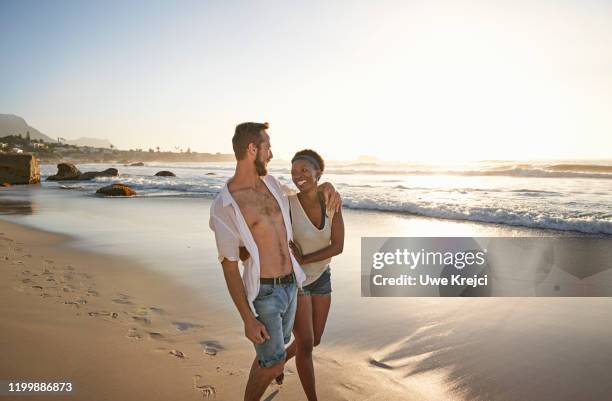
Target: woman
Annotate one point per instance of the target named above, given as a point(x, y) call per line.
point(317, 237)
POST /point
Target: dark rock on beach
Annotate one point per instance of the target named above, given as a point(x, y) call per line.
point(19, 169)
point(116, 190)
point(138, 164)
point(68, 171)
point(165, 174)
point(109, 172)
point(65, 171)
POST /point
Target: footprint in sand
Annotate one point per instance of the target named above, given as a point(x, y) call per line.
point(158, 311)
point(142, 311)
point(182, 326)
point(177, 353)
point(351, 387)
point(142, 320)
point(133, 334)
point(211, 347)
point(37, 287)
point(154, 335)
point(122, 301)
point(206, 390)
point(114, 315)
point(69, 288)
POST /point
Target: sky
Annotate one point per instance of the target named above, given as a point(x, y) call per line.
point(399, 80)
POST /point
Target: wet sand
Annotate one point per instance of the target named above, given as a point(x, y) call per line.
point(372, 349)
point(118, 331)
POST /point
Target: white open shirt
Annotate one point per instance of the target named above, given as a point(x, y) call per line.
point(232, 232)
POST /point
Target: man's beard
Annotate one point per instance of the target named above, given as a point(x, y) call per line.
point(260, 167)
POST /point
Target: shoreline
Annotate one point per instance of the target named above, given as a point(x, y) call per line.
point(507, 201)
point(162, 254)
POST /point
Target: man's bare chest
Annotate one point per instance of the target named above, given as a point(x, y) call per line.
point(258, 207)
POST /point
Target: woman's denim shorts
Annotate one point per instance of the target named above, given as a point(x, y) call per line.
point(321, 286)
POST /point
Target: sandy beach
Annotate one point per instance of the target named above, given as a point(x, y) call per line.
point(111, 328)
point(152, 262)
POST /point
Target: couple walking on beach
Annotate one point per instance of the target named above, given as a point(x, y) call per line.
point(285, 242)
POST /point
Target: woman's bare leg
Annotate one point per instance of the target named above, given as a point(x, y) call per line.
point(304, 342)
point(320, 311)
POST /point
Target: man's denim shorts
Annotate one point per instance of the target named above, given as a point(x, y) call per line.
point(321, 286)
point(275, 306)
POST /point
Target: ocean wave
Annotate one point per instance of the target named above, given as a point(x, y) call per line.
point(516, 205)
point(584, 222)
point(506, 170)
point(565, 170)
point(512, 172)
point(593, 168)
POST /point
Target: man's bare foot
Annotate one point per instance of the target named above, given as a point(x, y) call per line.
point(279, 379)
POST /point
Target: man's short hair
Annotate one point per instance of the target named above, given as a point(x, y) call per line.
point(245, 134)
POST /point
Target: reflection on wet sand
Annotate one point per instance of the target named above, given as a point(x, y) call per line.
point(509, 349)
point(17, 206)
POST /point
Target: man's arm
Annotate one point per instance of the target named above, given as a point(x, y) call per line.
point(253, 328)
point(330, 196)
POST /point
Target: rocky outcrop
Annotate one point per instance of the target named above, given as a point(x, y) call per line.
point(65, 171)
point(165, 174)
point(137, 164)
point(116, 190)
point(19, 169)
point(68, 172)
point(109, 172)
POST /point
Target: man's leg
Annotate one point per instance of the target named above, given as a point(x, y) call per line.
point(260, 378)
point(271, 305)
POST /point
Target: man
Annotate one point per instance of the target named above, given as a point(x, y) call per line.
point(252, 212)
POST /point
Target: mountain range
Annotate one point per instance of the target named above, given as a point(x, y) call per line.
point(11, 124)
